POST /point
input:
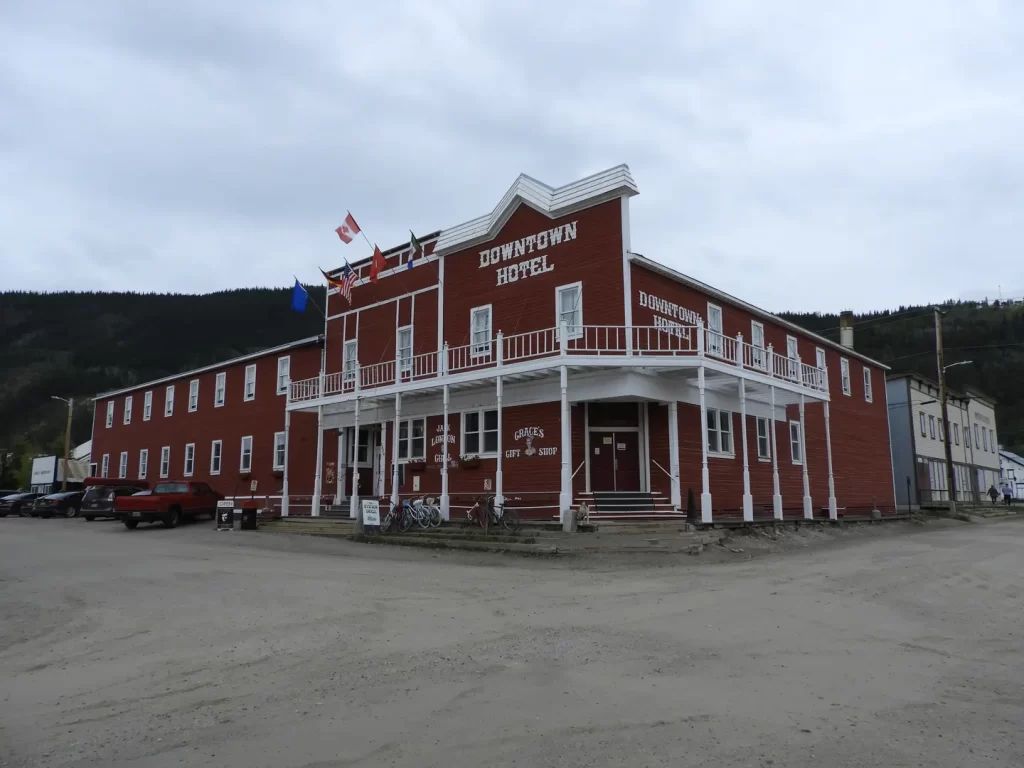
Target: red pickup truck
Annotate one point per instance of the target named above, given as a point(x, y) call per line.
point(169, 503)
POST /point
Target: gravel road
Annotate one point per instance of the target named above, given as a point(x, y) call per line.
point(160, 648)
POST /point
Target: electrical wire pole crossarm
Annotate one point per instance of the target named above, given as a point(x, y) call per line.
point(950, 474)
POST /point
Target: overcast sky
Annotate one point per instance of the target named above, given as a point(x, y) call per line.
point(802, 155)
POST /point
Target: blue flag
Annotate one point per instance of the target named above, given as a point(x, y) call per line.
point(299, 298)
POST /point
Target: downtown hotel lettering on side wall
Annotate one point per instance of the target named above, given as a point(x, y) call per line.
point(524, 246)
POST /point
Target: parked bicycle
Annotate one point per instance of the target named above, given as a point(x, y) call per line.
point(399, 517)
point(422, 512)
point(486, 513)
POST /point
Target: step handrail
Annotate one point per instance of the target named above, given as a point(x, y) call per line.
point(670, 475)
point(578, 469)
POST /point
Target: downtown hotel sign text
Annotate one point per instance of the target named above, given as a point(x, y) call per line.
point(523, 247)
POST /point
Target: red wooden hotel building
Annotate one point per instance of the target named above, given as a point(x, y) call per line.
point(534, 356)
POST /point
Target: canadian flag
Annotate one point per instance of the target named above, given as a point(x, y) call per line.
point(348, 230)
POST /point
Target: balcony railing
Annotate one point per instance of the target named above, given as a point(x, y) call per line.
point(656, 341)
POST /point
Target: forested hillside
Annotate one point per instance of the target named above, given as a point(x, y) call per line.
point(80, 344)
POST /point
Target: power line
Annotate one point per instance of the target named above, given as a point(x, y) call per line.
point(960, 349)
point(915, 312)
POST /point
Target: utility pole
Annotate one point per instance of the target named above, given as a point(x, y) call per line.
point(950, 474)
point(67, 441)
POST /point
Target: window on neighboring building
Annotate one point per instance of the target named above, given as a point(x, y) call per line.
point(924, 431)
point(867, 383)
point(403, 348)
point(122, 469)
point(105, 466)
point(169, 401)
point(569, 305)
point(977, 438)
point(216, 449)
point(349, 360)
point(147, 406)
point(715, 343)
point(480, 328)
point(984, 439)
point(279, 450)
point(128, 410)
point(992, 440)
point(719, 432)
point(764, 445)
point(190, 459)
point(245, 459)
point(250, 383)
point(165, 461)
point(220, 389)
point(956, 433)
point(480, 433)
point(942, 431)
point(110, 414)
point(284, 370)
point(193, 395)
point(757, 342)
point(412, 441)
point(931, 427)
point(844, 369)
point(796, 443)
point(143, 463)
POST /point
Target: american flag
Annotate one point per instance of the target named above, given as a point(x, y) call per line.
point(345, 283)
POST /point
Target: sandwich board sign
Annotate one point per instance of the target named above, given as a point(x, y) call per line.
point(371, 513)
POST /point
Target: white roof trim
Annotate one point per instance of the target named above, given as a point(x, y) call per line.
point(216, 366)
point(672, 274)
point(551, 201)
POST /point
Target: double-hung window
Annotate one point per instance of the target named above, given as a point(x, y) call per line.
point(348, 365)
point(110, 414)
point(279, 450)
point(169, 401)
point(956, 433)
point(190, 459)
point(867, 383)
point(719, 432)
point(758, 354)
point(992, 440)
point(569, 306)
point(250, 383)
point(216, 451)
point(715, 343)
point(984, 439)
point(220, 389)
point(245, 458)
point(480, 433)
point(792, 358)
point(284, 368)
point(412, 439)
point(931, 427)
point(977, 438)
point(193, 395)
point(480, 330)
point(143, 463)
point(404, 353)
point(819, 361)
point(924, 430)
point(764, 444)
point(844, 369)
point(796, 442)
point(105, 466)
point(147, 406)
point(122, 469)
point(128, 409)
point(165, 461)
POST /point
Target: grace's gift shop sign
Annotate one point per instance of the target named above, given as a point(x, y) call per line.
point(517, 252)
point(675, 319)
point(527, 437)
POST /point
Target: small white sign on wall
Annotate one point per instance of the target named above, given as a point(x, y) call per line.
point(487, 484)
point(416, 483)
point(371, 512)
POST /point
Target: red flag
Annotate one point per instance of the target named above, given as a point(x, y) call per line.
point(377, 264)
point(348, 229)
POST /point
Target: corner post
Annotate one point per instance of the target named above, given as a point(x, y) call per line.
point(833, 508)
point(706, 515)
point(748, 499)
point(499, 485)
point(445, 500)
point(287, 435)
point(673, 453)
point(808, 507)
point(355, 510)
point(776, 494)
point(394, 448)
point(565, 496)
point(318, 479)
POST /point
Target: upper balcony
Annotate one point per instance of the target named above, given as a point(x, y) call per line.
point(675, 346)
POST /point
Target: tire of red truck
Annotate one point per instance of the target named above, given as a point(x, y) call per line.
point(131, 525)
point(173, 518)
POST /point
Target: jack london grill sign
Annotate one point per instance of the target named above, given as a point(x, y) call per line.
point(525, 246)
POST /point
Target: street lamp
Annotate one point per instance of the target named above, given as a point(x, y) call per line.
point(953, 365)
point(67, 440)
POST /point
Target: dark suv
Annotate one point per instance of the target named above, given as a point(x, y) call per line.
point(99, 499)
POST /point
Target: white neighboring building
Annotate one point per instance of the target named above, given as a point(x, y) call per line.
point(48, 471)
point(1011, 468)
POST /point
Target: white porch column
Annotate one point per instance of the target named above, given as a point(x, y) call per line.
point(318, 480)
point(339, 493)
point(776, 495)
point(565, 497)
point(394, 449)
point(499, 483)
point(284, 483)
point(673, 452)
point(445, 499)
point(748, 500)
point(354, 508)
point(833, 509)
point(705, 478)
point(808, 507)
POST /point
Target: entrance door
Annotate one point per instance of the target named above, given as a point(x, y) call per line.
point(614, 461)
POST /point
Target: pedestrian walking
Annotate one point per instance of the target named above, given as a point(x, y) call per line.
point(1007, 493)
point(993, 493)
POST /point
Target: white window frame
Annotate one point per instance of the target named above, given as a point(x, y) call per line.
point(193, 396)
point(574, 330)
point(190, 459)
point(758, 356)
point(819, 358)
point(220, 389)
point(992, 441)
point(715, 335)
point(165, 462)
point(977, 439)
point(405, 449)
point(143, 463)
point(147, 406)
point(93, 469)
point(924, 425)
point(243, 465)
point(284, 377)
point(718, 432)
point(127, 419)
point(248, 396)
point(110, 414)
point(931, 426)
point(956, 434)
point(122, 466)
point(403, 362)
point(481, 432)
point(792, 356)
point(844, 370)
point(169, 400)
point(480, 348)
point(797, 456)
point(105, 466)
point(941, 429)
point(766, 454)
point(349, 362)
point(984, 439)
point(279, 451)
point(868, 395)
point(216, 456)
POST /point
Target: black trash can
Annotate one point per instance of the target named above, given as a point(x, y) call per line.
point(250, 519)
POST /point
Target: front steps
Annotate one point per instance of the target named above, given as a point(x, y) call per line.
point(628, 505)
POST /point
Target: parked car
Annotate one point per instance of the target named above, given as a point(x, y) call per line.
point(64, 504)
point(170, 503)
point(18, 504)
point(101, 494)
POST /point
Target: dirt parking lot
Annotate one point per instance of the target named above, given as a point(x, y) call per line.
point(179, 647)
